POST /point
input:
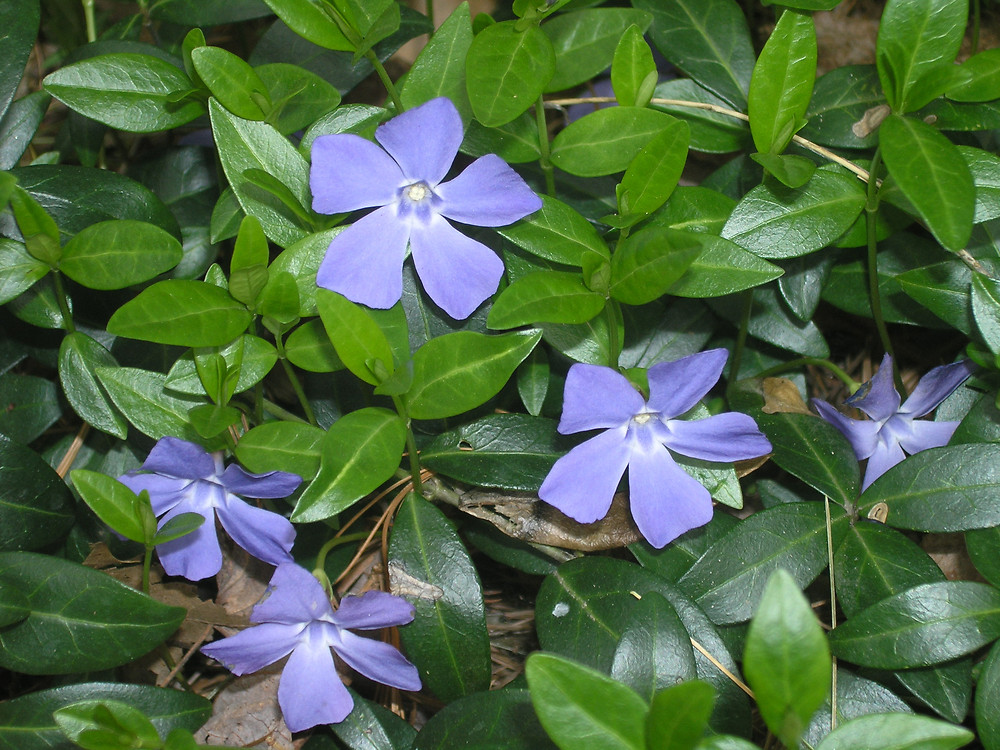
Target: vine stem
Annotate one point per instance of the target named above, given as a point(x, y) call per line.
point(833, 613)
point(63, 301)
point(383, 75)
point(851, 383)
point(741, 340)
point(544, 159)
point(88, 14)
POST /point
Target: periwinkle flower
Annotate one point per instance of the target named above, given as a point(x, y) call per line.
point(183, 477)
point(296, 618)
point(642, 436)
point(412, 207)
point(893, 430)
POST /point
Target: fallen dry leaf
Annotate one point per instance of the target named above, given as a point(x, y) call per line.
point(246, 714)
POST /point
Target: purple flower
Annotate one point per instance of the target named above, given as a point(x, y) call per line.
point(182, 477)
point(642, 435)
point(296, 618)
point(365, 261)
point(893, 430)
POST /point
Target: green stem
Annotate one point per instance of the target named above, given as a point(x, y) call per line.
point(851, 383)
point(280, 412)
point(612, 311)
point(293, 378)
point(146, 561)
point(63, 302)
point(429, 12)
point(741, 340)
point(544, 160)
point(411, 444)
point(383, 75)
point(874, 294)
point(331, 543)
point(88, 14)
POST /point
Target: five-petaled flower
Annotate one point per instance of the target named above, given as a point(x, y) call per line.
point(894, 430)
point(641, 436)
point(296, 617)
point(404, 181)
point(182, 477)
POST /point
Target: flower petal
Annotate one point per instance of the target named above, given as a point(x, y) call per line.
point(583, 482)
point(665, 500)
point(488, 193)
point(365, 261)
point(349, 172)
point(164, 492)
point(935, 387)
point(424, 140)
point(730, 436)
point(597, 397)
point(372, 610)
point(239, 481)
point(293, 596)
point(886, 455)
point(861, 434)
point(378, 661)
point(179, 458)
point(194, 556)
point(310, 691)
point(254, 648)
point(265, 535)
point(924, 434)
point(675, 387)
point(881, 400)
point(457, 272)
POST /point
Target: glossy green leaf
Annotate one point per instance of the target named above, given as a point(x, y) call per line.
point(26, 723)
point(944, 289)
point(572, 702)
point(648, 263)
point(30, 406)
point(18, 270)
point(439, 69)
point(916, 38)
point(556, 232)
point(786, 660)
point(245, 145)
point(80, 619)
point(459, 371)
point(498, 718)
point(840, 99)
point(985, 169)
point(774, 221)
point(953, 488)
point(430, 567)
point(674, 560)
point(309, 348)
point(361, 450)
point(983, 78)
point(20, 24)
point(633, 70)
point(723, 267)
point(987, 700)
point(309, 20)
point(655, 171)
point(679, 715)
point(142, 397)
point(986, 310)
point(897, 732)
point(285, 446)
point(117, 254)
point(106, 725)
point(79, 356)
point(856, 696)
point(36, 508)
point(772, 321)
point(607, 140)
point(707, 39)
point(37, 227)
point(921, 626)
point(19, 125)
point(299, 98)
point(933, 176)
point(506, 70)
point(790, 170)
point(183, 313)
point(782, 82)
point(585, 40)
point(112, 501)
point(728, 579)
point(533, 376)
point(233, 82)
point(544, 296)
point(251, 355)
point(982, 545)
point(357, 338)
point(369, 726)
point(711, 132)
point(133, 92)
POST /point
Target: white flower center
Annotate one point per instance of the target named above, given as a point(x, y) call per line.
point(644, 417)
point(417, 192)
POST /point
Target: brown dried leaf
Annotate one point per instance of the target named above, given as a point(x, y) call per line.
point(246, 714)
point(242, 581)
point(781, 395)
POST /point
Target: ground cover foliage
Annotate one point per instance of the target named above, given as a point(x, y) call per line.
point(544, 334)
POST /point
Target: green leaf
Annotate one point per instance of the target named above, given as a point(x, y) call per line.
point(711, 132)
point(462, 370)
point(790, 170)
point(309, 348)
point(37, 227)
point(921, 626)
point(361, 450)
point(632, 69)
point(310, 21)
point(772, 321)
point(544, 296)
point(26, 723)
point(81, 620)
point(786, 660)
point(982, 545)
point(299, 97)
point(287, 446)
point(117, 254)
point(19, 125)
point(369, 726)
point(18, 270)
point(178, 526)
point(183, 313)
point(774, 221)
point(572, 703)
point(707, 39)
point(30, 406)
point(983, 78)
point(506, 71)
point(649, 262)
point(355, 335)
point(20, 24)
point(944, 289)
point(986, 310)
point(106, 725)
point(36, 508)
point(930, 171)
point(896, 732)
point(679, 715)
point(439, 69)
point(245, 145)
point(127, 91)
point(953, 488)
point(508, 451)
point(79, 356)
point(556, 232)
point(585, 40)
point(722, 268)
point(987, 700)
point(112, 501)
point(431, 569)
point(655, 171)
point(856, 696)
point(141, 396)
point(782, 82)
point(840, 99)
point(728, 579)
point(607, 140)
point(916, 37)
point(233, 82)
point(252, 356)
point(498, 718)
